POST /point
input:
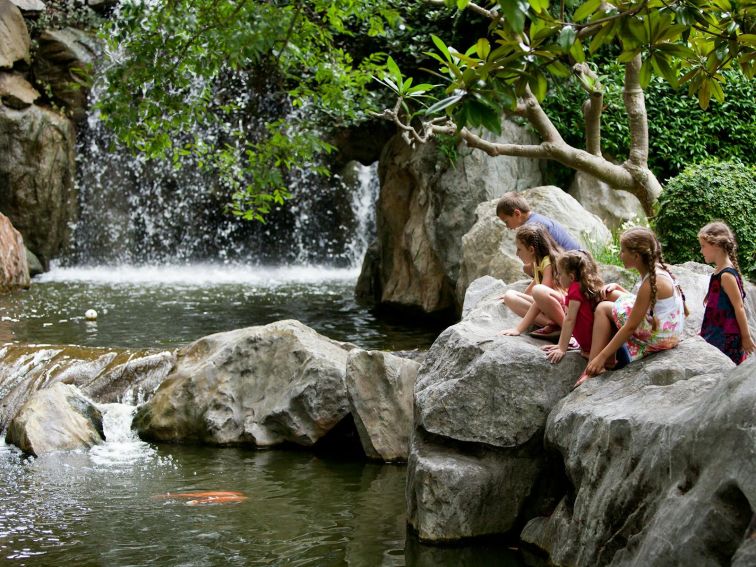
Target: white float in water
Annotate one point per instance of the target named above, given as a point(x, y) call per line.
point(91, 315)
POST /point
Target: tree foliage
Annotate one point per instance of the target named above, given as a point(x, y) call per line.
point(531, 43)
point(241, 87)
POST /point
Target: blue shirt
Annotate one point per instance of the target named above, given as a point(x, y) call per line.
point(557, 231)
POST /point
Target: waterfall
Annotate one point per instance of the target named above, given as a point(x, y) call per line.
point(146, 212)
point(122, 446)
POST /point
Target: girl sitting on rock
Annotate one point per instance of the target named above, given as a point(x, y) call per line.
point(724, 323)
point(543, 300)
point(650, 322)
point(578, 274)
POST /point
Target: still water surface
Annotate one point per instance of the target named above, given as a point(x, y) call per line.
point(169, 306)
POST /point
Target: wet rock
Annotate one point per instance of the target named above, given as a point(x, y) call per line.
point(35, 266)
point(30, 5)
point(37, 168)
point(58, 418)
point(488, 248)
point(379, 387)
point(425, 206)
point(105, 375)
point(64, 62)
point(14, 37)
point(14, 271)
point(613, 207)
point(16, 92)
point(661, 458)
point(260, 386)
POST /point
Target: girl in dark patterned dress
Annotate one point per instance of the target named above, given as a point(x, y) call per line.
point(724, 324)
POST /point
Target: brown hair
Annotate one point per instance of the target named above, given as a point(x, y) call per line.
point(536, 235)
point(583, 267)
point(511, 201)
point(643, 242)
point(718, 234)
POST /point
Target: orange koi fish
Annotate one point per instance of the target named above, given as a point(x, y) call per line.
point(204, 497)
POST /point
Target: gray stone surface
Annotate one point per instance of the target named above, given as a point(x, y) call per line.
point(57, 418)
point(260, 386)
point(662, 459)
point(64, 61)
point(16, 92)
point(613, 207)
point(30, 5)
point(37, 170)
point(424, 208)
point(379, 388)
point(14, 37)
point(488, 248)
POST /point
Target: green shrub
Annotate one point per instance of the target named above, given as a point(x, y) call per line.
point(700, 194)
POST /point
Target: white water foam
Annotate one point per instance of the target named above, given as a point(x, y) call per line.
point(199, 274)
point(122, 446)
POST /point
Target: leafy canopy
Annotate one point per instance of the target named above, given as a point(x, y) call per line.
point(529, 43)
point(243, 88)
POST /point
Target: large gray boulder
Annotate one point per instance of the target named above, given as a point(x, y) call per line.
point(64, 61)
point(104, 375)
point(661, 457)
point(37, 170)
point(260, 386)
point(14, 37)
point(58, 418)
point(379, 388)
point(488, 248)
point(425, 206)
point(16, 92)
point(615, 208)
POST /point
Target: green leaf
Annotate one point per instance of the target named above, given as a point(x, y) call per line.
point(441, 46)
point(514, 12)
point(567, 38)
point(586, 10)
point(462, 4)
point(444, 104)
point(577, 51)
point(482, 48)
point(645, 74)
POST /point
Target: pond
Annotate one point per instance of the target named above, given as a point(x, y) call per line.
point(126, 502)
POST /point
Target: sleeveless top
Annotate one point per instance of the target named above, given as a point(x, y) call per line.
point(539, 269)
point(720, 327)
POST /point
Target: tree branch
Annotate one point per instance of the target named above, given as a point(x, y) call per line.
point(592, 107)
point(473, 8)
point(635, 106)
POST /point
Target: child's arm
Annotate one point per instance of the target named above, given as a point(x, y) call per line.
point(637, 315)
point(731, 288)
point(555, 353)
point(548, 277)
point(524, 323)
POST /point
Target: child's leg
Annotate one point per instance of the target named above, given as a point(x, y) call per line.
point(603, 328)
point(551, 304)
point(518, 302)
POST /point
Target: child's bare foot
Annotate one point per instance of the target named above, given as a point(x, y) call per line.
point(509, 332)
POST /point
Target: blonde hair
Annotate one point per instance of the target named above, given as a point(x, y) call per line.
point(643, 242)
point(583, 267)
point(718, 234)
point(536, 235)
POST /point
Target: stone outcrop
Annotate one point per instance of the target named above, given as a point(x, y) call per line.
point(260, 386)
point(64, 61)
point(58, 418)
point(660, 459)
point(14, 37)
point(379, 387)
point(598, 491)
point(105, 375)
point(425, 206)
point(16, 92)
point(30, 5)
point(37, 168)
point(488, 248)
point(613, 207)
point(14, 270)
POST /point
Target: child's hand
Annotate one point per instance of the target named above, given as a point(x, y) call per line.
point(748, 344)
point(596, 366)
point(553, 353)
point(609, 288)
point(510, 332)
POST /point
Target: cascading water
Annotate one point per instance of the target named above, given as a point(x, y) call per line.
point(139, 211)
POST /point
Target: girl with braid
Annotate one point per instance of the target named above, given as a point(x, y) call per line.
point(724, 323)
point(543, 300)
point(649, 322)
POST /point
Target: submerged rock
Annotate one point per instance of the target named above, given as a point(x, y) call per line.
point(260, 386)
point(379, 386)
point(57, 418)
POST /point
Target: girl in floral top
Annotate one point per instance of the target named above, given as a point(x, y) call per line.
point(724, 324)
point(645, 323)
